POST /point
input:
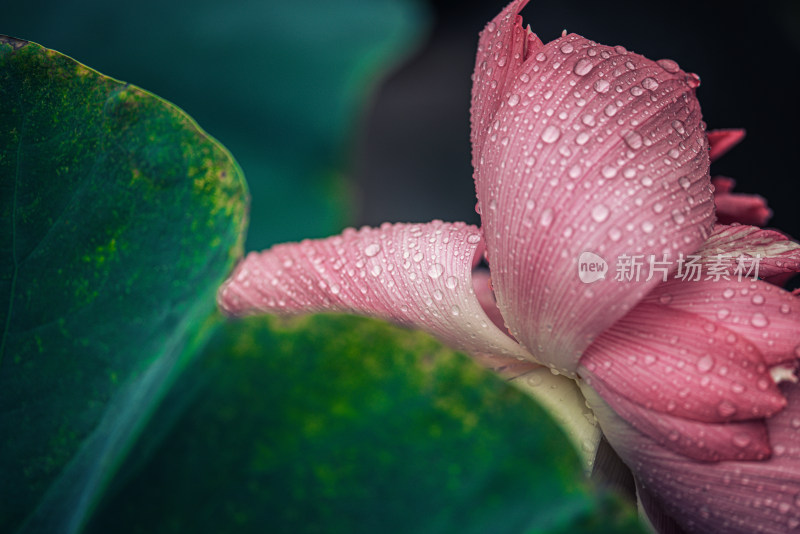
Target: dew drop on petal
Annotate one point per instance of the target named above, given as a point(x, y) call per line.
point(650, 84)
point(609, 171)
point(547, 217)
point(551, 134)
point(668, 65)
point(600, 213)
point(679, 127)
point(602, 86)
point(728, 293)
point(473, 239)
point(451, 282)
point(705, 364)
point(759, 320)
point(633, 140)
point(726, 409)
point(513, 100)
point(583, 67)
point(372, 250)
point(436, 270)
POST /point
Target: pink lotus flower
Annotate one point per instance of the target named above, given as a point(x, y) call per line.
point(585, 153)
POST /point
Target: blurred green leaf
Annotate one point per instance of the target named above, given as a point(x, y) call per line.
point(279, 83)
point(343, 424)
point(119, 218)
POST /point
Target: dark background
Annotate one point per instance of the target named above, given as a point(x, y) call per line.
point(413, 159)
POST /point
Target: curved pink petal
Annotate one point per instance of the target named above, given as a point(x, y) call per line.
point(766, 315)
point(680, 364)
point(738, 207)
point(415, 274)
point(579, 147)
point(776, 252)
point(721, 141)
point(734, 497)
point(482, 284)
point(709, 442)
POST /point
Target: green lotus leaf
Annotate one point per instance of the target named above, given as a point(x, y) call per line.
point(342, 424)
point(119, 217)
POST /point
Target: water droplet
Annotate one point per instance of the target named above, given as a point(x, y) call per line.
point(668, 65)
point(583, 67)
point(513, 100)
point(575, 172)
point(678, 217)
point(610, 110)
point(728, 293)
point(376, 270)
point(650, 84)
point(335, 289)
point(633, 140)
point(684, 182)
point(679, 127)
point(530, 161)
point(637, 91)
point(614, 234)
point(524, 77)
point(759, 320)
point(455, 310)
point(647, 181)
point(551, 134)
point(567, 48)
point(540, 56)
point(647, 227)
point(473, 239)
point(785, 308)
point(600, 213)
point(723, 313)
point(582, 138)
point(372, 250)
point(741, 440)
point(726, 409)
point(602, 86)
point(418, 257)
point(609, 171)
point(451, 282)
point(436, 270)
point(757, 299)
point(547, 217)
point(705, 364)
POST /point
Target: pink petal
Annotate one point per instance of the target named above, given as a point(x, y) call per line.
point(506, 366)
point(766, 315)
point(709, 442)
point(680, 364)
point(415, 274)
point(721, 141)
point(778, 254)
point(580, 147)
point(737, 207)
point(482, 284)
point(734, 497)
